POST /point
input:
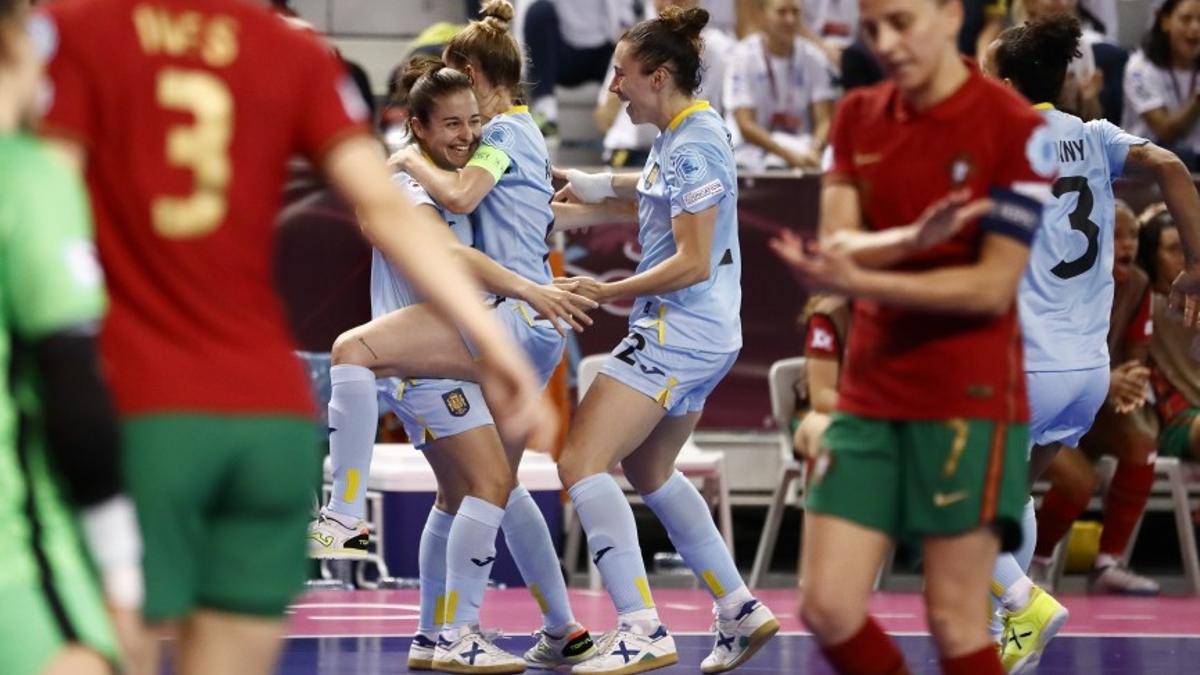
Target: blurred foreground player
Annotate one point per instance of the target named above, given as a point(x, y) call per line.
point(929, 441)
point(186, 173)
point(58, 434)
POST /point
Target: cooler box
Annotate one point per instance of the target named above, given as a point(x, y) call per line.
point(407, 484)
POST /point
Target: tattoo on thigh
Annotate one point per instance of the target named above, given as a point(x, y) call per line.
point(373, 354)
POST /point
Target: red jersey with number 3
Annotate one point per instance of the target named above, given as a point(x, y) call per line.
point(189, 111)
point(903, 363)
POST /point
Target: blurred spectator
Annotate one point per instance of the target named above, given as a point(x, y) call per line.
point(830, 24)
point(1161, 101)
point(1124, 427)
point(570, 43)
point(982, 22)
point(827, 325)
point(1103, 16)
point(859, 67)
point(626, 144)
point(1173, 351)
point(779, 94)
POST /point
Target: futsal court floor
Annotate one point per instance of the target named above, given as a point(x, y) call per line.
point(367, 632)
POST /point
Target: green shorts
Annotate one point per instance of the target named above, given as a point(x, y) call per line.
point(1175, 438)
point(915, 479)
point(224, 503)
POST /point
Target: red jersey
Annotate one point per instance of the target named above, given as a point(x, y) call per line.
point(189, 111)
point(904, 363)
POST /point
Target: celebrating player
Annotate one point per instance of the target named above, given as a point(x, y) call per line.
point(685, 334)
point(186, 176)
point(1066, 296)
point(449, 420)
point(929, 440)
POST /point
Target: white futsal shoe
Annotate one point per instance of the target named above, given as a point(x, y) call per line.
point(329, 537)
point(738, 638)
point(551, 653)
point(420, 652)
point(629, 649)
point(471, 650)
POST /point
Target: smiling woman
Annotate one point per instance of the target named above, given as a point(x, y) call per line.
point(1161, 99)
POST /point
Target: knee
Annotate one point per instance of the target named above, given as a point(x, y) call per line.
point(646, 479)
point(571, 468)
point(493, 489)
point(957, 626)
point(347, 350)
point(827, 614)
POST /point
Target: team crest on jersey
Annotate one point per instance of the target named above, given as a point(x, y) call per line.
point(690, 166)
point(961, 169)
point(650, 178)
point(456, 402)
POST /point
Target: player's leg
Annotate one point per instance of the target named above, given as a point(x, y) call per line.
point(743, 624)
point(957, 569)
point(1131, 438)
point(212, 641)
point(1072, 481)
point(74, 660)
point(416, 341)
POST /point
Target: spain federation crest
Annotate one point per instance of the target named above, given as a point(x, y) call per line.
point(456, 402)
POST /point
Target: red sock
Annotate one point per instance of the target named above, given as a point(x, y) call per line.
point(1059, 510)
point(869, 652)
point(1124, 505)
point(982, 662)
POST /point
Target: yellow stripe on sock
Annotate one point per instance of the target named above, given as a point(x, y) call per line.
point(352, 476)
point(439, 611)
point(541, 599)
point(451, 605)
point(644, 589)
point(997, 589)
point(713, 585)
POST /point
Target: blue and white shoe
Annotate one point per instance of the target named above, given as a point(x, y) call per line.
point(471, 650)
point(420, 652)
point(739, 638)
point(629, 649)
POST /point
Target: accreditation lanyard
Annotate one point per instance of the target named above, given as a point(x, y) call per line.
point(1191, 87)
point(786, 107)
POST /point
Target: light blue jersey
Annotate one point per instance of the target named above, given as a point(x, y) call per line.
point(514, 219)
point(389, 289)
point(691, 169)
point(1066, 294)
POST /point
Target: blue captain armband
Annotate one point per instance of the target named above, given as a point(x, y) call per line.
point(1016, 212)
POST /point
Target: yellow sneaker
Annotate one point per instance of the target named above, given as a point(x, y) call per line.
point(1030, 630)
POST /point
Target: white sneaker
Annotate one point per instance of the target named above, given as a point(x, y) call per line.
point(628, 649)
point(739, 638)
point(420, 652)
point(575, 646)
point(1121, 581)
point(329, 538)
point(473, 651)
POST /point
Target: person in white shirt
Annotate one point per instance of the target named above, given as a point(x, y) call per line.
point(779, 94)
point(627, 144)
point(1162, 101)
point(569, 42)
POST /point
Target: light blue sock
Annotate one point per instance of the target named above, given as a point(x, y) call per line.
point(691, 529)
point(612, 541)
point(528, 539)
point(353, 418)
point(470, 553)
point(431, 566)
point(1010, 586)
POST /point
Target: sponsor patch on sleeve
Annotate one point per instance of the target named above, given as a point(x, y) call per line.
point(710, 189)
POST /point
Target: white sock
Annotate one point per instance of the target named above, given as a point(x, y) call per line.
point(353, 419)
point(1016, 596)
point(1105, 560)
point(528, 540)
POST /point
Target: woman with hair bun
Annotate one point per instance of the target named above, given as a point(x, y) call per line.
point(685, 334)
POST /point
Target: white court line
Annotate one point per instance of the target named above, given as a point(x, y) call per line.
point(1127, 617)
point(884, 615)
point(686, 608)
point(354, 605)
point(374, 617)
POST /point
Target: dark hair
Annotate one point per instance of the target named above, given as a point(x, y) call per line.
point(1149, 237)
point(424, 81)
point(672, 40)
point(1157, 44)
point(489, 42)
point(11, 9)
point(1035, 56)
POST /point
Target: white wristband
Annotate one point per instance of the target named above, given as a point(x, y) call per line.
point(112, 535)
point(592, 188)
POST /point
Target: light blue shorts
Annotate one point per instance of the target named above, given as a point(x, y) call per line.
point(433, 409)
point(541, 342)
point(680, 380)
point(1063, 404)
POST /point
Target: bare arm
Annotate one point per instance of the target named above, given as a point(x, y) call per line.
point(688, 266)
point(1170, 127)
point(1179, 193)
point(755, 134)
point(822, 384)
point(459, 191)
point(573, 216)
point(822, 116)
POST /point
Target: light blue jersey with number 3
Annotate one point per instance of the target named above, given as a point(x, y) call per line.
point(1066, 294)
